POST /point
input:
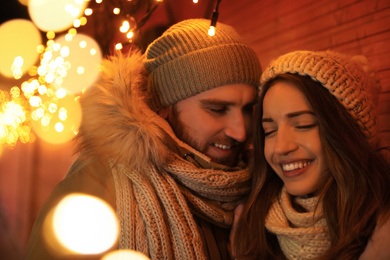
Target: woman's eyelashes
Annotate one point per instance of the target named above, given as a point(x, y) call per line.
point(268, 131)
point(306, 126)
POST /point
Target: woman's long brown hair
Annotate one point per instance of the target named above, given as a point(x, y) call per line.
point(354, 197)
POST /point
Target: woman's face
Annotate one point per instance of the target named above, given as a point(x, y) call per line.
point(292, 143)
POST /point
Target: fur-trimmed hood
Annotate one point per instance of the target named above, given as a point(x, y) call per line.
point(117, 124)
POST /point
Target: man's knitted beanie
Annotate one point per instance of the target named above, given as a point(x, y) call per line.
point(185, 61)
point(349, 79)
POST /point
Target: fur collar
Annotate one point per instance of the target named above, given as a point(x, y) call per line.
point(117, 124)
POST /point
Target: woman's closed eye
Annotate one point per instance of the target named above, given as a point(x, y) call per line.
point(268, 130)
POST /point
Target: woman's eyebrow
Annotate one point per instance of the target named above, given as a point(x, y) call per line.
point(289, 115)
point(298, 113)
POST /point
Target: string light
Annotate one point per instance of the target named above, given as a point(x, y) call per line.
point(214, 19)
point(211, 31)
point(36, 100)
point(88, 11)
point(118, 46)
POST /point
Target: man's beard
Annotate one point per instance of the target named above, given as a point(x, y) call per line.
point(181, 133)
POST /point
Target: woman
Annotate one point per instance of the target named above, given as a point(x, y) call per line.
point(320, 184)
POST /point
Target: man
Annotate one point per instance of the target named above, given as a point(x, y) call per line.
point(163, 141)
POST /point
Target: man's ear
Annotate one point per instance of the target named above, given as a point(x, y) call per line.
point(164, 112)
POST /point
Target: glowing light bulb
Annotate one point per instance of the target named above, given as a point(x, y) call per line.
point(52, 108)
point(118, 46)
point(77, 23)
point(56, 46)
point(83, 21)
point(40, 48)
point(50, 35)
point(80, 70)
point(72, 31)
point(65, 51)
point(195, 1)
point(63, 114)
point(88, 11)
point(59, 127)
point(212, 31)
point(18, 62)
point(42, 89)
point(15, 92)
point(116, 10)
point(125, 26)
point(49, 77)
point(130, 34)
point(83, 44)
point(45, 121)
point(68, 37)
point(35, 101)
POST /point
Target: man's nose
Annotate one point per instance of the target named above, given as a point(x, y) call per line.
point(237, 128)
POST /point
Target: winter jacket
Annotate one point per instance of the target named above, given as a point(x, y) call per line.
point(172, 202)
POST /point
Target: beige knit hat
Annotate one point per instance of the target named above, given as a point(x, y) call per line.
point(349, 79)
point(185, 61)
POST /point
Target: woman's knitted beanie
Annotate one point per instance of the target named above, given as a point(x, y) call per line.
point(185, 61)
point(349, 79)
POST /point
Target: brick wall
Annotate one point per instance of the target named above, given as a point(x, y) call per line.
point(275, 27)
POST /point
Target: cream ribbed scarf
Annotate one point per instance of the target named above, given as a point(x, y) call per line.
point(301, 235)
point(155, 208)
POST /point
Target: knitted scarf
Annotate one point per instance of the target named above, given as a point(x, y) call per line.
point(157, 192)
point(301, 235)
point(155, 209)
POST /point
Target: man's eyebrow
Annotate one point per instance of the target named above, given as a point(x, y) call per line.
point(290, 115)
point(223, 102)
point(216, 102)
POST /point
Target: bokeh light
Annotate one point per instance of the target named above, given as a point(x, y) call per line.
point(85, 224)
point(125, 254)
point(14, 118)
point(18, 47)
point(56, 117)
point(55, 15)
point(77, 62)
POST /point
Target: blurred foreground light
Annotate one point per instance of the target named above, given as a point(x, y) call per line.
point(19, 50)
point(55, 15)
point(83, 224)
point(125, 254)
